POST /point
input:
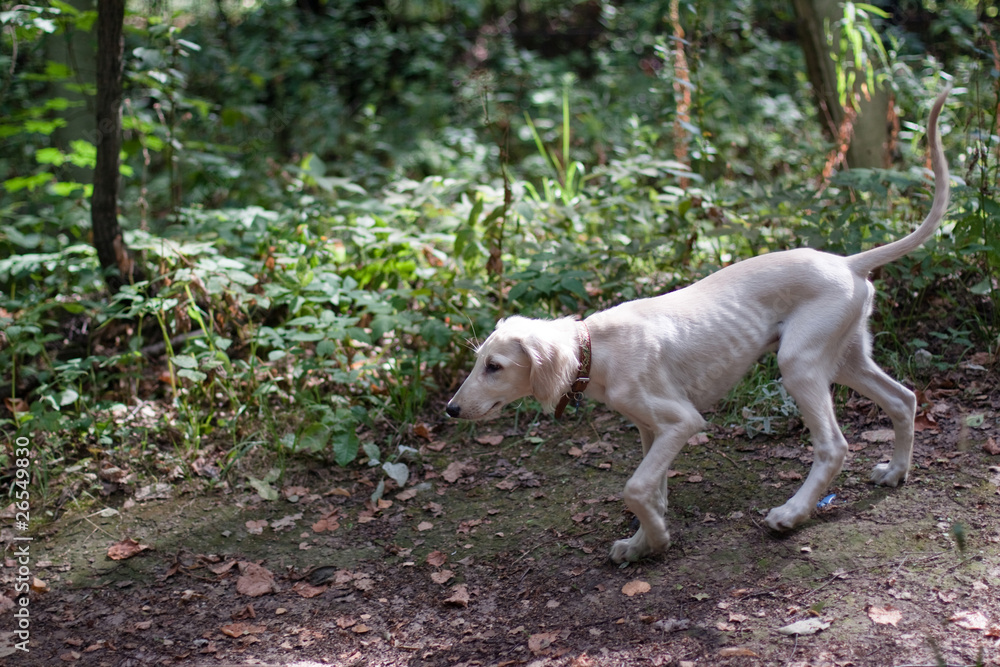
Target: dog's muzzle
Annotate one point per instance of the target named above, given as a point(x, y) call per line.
point(453, 410)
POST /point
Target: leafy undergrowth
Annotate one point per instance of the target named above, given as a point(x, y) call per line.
point(495, 553)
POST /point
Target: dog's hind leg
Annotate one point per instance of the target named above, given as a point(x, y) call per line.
point(807, 379)
point(864, 376)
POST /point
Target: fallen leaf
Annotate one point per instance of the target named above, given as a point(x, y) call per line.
point(360, 629)
point(306, 590)
point(789, 474)
point(254, 580)
point(540, 642)
point(424, 525)
point(736, 651)
point(16, 405)
point(887, 615)
point(344, 622)
point(459, 596)
point(970, 620)
point(437, 558)
point(575, 452)
point(879, 435)
point(490, 440)
point(635, 587)
point(925, 422)
point(407, 494)
point(327, 522)
point(698, 439)
point(256, 527)
point(807, 627)
point(422, 430)
point(125, 549)
point(285, 522)
point(240, 629)
point(991, 447)
point(694, 479)
point(442, 577)
point(457, 469)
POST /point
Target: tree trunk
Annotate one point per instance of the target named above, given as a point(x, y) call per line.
point(111, 251)
point(868, 145)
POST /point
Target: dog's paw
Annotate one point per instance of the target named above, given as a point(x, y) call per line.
point(885, 475)
point(634, 549)
point(785, 518)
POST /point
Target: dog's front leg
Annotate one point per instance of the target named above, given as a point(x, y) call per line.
point(646, 490)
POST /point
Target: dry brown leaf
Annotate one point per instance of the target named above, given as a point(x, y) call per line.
point(422, 430)
point(424, 525)
point(887, 615)
point(256, 527)
point(490, 440)
point(338, 491)
point(38, 586)
point(125, 549)
point(408, 494)
point(437, 558)
point(540, 642)
point(240, 629)
point(17, 404)
point(789, 474)
point(636, 587)
point(360, 629)
point(991, 447)
point(254, 580)
point(879, 435)
point(308, 590)
point(575, 451)
point(459, 596)
point(222, 568)
point(698, 439)
point(970, 620)
point(442, 577)
point(736, 651)
point(344, 622)
point(695, 479)
point(326, 524)
point(457, 469)
point(925, 422)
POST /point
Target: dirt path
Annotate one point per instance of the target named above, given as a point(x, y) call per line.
point(495, 553)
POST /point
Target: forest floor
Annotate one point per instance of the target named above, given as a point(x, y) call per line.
point(496, 553)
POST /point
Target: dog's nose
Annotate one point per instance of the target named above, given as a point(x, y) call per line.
point(453, 410)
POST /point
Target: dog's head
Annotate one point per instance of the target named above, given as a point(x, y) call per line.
point(522, 357)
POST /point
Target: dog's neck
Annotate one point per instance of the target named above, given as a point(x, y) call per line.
point(579, 385)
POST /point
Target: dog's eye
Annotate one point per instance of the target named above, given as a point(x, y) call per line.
point(493, 367)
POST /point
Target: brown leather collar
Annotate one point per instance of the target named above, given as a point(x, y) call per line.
point(579, 386)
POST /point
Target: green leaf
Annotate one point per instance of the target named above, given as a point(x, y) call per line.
point(263, 489)
point(399, 472)
point(373, 453)
point(345, 448)
point(314, 438)
point(185, 361)
point(67, 397)
point(194, 376)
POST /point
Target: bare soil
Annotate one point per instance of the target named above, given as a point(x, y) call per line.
point(495, 553)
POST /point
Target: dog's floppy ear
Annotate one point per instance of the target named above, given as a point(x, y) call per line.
point(554, 363)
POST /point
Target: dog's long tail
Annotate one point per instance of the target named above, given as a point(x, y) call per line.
point(865, 262)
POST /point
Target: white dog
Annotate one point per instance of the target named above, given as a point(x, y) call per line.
point(662, 360)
